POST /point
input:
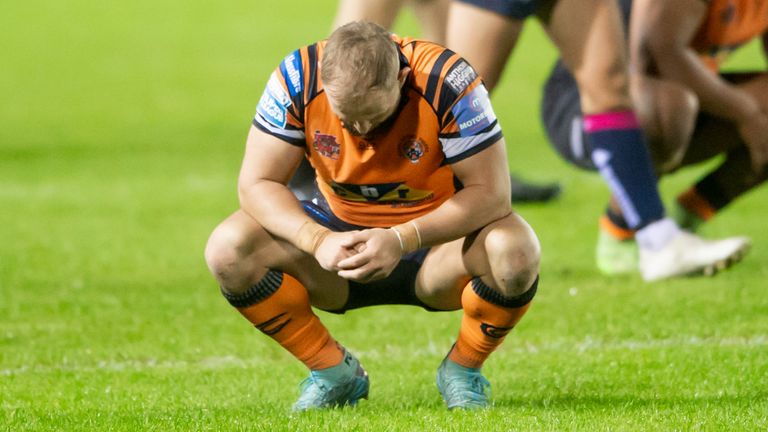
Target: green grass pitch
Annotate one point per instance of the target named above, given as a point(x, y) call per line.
point(122, 126)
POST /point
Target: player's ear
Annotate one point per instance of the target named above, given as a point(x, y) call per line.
point(402, 76)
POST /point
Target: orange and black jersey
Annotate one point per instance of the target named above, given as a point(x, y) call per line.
point(403, 171)
point(728, 25)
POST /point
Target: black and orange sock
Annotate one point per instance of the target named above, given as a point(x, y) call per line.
point(488, 317)
point(278, 305)
point(696, 204)
point(734, 177)
point(614, 224)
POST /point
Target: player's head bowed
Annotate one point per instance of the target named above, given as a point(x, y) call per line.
point(360, 70)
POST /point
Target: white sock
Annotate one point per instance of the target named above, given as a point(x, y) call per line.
point(656, 235)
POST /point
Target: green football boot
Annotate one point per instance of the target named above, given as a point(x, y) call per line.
point(614, 256)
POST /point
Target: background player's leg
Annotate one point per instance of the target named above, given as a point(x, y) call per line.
point(432, 16)
point(736, 175)
point(590, 37)
point(486, 39)
point(483, 37)
point(667, 113)
point(382, 12)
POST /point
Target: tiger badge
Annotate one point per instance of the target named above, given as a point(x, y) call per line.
point(413, 148)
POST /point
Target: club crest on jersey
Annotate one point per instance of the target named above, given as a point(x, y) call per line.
point(413, 149)
point(326, 145)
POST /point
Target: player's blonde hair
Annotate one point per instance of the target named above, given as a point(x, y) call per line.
point(359, 58)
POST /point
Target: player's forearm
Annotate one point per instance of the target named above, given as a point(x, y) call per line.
point(484, 198)
point(716, 96)
point(277, 210)
point(466, 212)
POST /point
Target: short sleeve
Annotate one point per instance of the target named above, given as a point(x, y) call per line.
point(280, 109)
point(470, 124)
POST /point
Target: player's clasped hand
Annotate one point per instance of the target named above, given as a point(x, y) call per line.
point(334, 248)
point(378, 252)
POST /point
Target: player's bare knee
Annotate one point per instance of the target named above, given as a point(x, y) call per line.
point(514, 254)
point(224, 254)
point(603, 89)
point(678, 108)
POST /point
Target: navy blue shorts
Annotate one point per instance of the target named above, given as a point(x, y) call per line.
point(562, 118)
point(518, 9)
point(397, 288)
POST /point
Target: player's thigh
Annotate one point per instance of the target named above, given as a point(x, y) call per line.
point(433, 18)
point(442, 276)
point(240, 252)
point(484, 37)
point(590, 37)
point(381, 12)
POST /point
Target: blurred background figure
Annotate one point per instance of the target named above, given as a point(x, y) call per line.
point(432, 16)
point(689, 111)
point(589, 36)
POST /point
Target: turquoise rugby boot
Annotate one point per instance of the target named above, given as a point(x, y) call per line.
point(343, 384)
point(462, 387)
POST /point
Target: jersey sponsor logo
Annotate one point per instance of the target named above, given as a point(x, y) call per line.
point(326, 145)
point(272, 110)
point(460, 76)
point(277, 91)
point(380, 193)
point(493, 331)
point(274, 103)
point(473, 112)
point(293, 72)
point(413, 148)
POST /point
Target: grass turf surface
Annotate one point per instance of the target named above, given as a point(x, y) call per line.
point(121, 133)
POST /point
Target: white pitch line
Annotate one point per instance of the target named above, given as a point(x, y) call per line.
point(432, 349)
